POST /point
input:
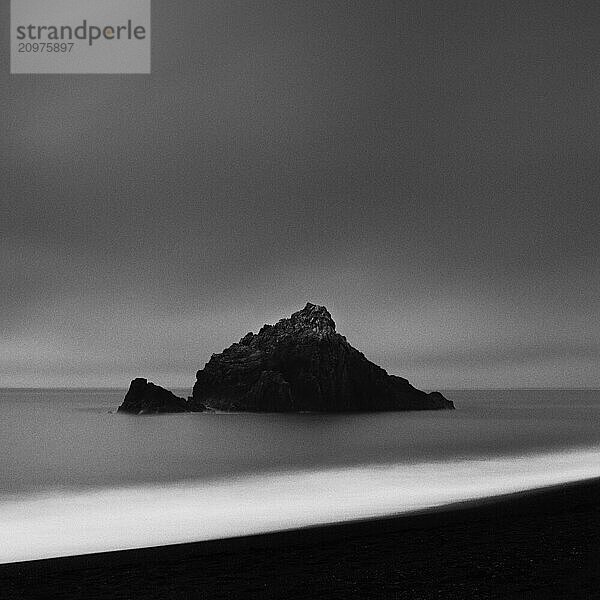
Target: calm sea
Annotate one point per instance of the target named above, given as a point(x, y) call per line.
point(76, 477)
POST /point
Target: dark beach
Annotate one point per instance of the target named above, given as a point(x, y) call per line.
point(541, 544)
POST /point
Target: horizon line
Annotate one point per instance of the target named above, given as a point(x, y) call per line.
point(449, 389)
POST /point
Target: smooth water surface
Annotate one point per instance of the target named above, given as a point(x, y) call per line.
point(77, 477)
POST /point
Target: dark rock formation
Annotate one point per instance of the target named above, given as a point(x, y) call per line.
point(144, 398)
point(303, 364)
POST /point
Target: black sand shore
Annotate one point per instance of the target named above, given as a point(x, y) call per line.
point(544, 544)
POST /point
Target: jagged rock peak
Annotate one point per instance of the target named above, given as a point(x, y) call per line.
point(314, 317)
point(312, 321)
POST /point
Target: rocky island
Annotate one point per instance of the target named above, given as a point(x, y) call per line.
point(300, 364)
point(145, 398)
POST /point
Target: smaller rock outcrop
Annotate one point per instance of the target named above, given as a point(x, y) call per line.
point(145, 398)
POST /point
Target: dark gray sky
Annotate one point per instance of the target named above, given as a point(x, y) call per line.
point(427, 170)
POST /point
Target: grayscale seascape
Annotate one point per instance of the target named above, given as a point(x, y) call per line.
point(299, 300)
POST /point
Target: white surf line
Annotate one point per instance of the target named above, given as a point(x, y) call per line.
point(63, 523)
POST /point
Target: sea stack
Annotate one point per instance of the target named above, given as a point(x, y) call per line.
point(302, 364)
point(145, 398)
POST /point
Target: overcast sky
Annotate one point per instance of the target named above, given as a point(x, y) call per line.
point(427, 170)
